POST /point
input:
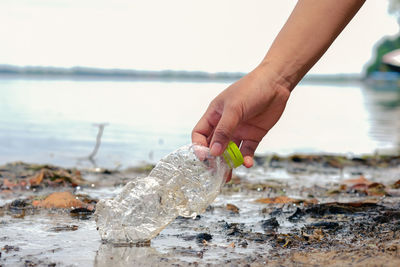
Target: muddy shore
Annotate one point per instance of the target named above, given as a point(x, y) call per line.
point(319, 210)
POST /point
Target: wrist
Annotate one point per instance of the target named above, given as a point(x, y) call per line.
point(274, 77)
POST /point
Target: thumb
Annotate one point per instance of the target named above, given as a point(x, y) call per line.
point(223, 132)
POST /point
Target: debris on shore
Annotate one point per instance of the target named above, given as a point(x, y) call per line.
point(286, 211)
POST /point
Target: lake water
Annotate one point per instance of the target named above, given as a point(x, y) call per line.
point(52, 120)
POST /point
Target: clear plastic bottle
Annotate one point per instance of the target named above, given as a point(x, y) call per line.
point(184, 183)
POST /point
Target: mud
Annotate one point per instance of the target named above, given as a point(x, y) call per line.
point(322, 210)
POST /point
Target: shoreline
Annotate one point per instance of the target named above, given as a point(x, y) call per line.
point(318, 160)
point(86, 73)
point(337, 159)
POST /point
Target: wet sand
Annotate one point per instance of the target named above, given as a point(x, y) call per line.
point(291, 211)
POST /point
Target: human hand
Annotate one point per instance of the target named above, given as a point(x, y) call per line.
point(244, 113)
point(249, 108)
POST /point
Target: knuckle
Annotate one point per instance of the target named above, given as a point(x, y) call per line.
point(248, 150)
point(222, 134)
point(194, 134)
point(215, 104)
point(236, 109)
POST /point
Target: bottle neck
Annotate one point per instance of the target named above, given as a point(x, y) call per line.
point(228, 159)
point(232, 155)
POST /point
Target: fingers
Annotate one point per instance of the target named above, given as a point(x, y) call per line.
point(248, 148)
point(251, 136)
point(223, 132)
point(204, 129)
point(248, 161)
point(218, 130)
point(198, 138)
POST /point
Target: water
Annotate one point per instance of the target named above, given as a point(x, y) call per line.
point(52, 121)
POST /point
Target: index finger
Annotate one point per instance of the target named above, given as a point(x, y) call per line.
point(205, 127)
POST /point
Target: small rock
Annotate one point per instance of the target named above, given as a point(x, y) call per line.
point(29, 263)
point(243, 244)
point(82, 213)
point(203, 236)
point(8, 248)
point(64, 228)
point(18, 204)
point(233, 228)
point(270, 223)
point(296, 215)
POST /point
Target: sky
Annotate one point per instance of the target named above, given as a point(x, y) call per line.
point(207, 35)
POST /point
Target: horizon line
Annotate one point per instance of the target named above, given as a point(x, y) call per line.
point(30, 71)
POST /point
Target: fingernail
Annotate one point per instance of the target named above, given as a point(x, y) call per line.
point(216, 149)
point(248, 162)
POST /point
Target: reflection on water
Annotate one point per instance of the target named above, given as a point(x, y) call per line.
point(109, 255)
point(384, 111)
point(53, 121)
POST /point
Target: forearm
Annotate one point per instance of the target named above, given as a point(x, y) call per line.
point(307, 34)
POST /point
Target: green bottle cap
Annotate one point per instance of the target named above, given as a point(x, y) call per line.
point(233, 156)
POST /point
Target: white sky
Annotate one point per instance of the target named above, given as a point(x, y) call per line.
point(207, 35)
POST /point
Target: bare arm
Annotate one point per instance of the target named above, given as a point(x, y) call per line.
point(310, 30)
point(249, 108)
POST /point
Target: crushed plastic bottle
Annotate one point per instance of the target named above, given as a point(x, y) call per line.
point(184, 183)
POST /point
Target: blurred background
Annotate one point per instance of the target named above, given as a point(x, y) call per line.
point(137, 75)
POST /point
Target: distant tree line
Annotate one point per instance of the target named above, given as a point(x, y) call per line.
point(84, 72)
point(387, 44)
point(165, 75)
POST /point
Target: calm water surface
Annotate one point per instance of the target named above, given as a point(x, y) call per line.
point(53, 121)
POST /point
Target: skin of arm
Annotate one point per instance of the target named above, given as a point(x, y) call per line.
point(246, 110)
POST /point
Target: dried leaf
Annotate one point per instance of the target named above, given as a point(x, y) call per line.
point(37, 179)
point(276, 200)
point(232, 208)
point(59, 200)
point(9, 184)
point(357, 181)
point(285, 200)
point(231, 245)
point(317, 235)
point(365, 186)
point(396, 185)
point(335, 163)
point(376, 189)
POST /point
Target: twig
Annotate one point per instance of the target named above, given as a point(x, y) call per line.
point(98, 141)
